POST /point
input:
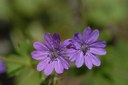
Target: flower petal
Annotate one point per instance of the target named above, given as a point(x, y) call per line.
point(39, 55)
point(65, 63)
point(40, 46)
point(98, 44)
point(48, 37)
point(42, 65)
point(88, 61)
point(76, 44)
point(74, 56)
point(93, 37)
point(95, 60)
point(48, 70)
point(56, 37)
point(98, 51)
point(86, 33)
point(2, 67)
point(59, 67)
point(70, 52)
point(66, 43)
point(56, 41)
point(49, 40)
point(78, 37)
point(79, 60)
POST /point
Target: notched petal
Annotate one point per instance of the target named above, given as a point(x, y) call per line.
point(86, 33)
point(59, 67)
point(48, 70)
point(98, 44)
point(94, 36)
point(98, 51)
point(95, 60)
point(42, 65)
point(38, 55)
point(78, 37)
point(79, 60)
point(40, 46)
point(88, 62)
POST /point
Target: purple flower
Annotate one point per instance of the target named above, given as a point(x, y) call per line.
point(2, 67)
point(86, 47)
point(51, 54)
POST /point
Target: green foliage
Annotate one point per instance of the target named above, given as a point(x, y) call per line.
point(21, 65)
point(28, 8)
point(35, 31)
point(105, 35)
point(21, 43)
point(105, 11)
point(30, 19)
point(113, 70)
point(5, 11)
point(28, 76)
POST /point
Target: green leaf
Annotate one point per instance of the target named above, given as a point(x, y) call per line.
point(27, 76)
point(15, 63)
point(21, 44)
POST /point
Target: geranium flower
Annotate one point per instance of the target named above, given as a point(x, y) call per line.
point(51, 54)
point(86, 47)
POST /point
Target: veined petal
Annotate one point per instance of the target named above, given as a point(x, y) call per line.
point(66, 43)
point(40, 46)
point(93, 37)
point(48, 37)
point(70, 52)
point(56, 41)
point(76, 44)
point(88, 61)
point(98, 44)
point(79, 60)
point(39, 55)
point(56, 37)
point(86, 33)
point(65, 63)
point(58, 66)
point(98, 51)
point(78, 37)
point(48, 70)
point(74, 56)
point(49, 40)
point(95, 60)
point(42, 65)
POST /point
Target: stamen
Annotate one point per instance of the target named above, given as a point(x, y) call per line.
point(54, 54)
point(84, 48)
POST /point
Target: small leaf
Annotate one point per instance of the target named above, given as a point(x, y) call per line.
point(20, 43)
point(15, 63)
point(27, 76)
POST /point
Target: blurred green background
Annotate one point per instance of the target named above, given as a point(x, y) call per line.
point(23, 22)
